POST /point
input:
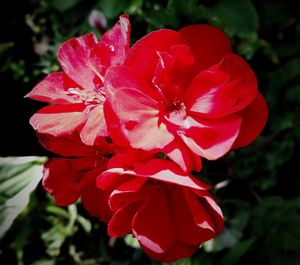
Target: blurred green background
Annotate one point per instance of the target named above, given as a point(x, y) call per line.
point(257, 187)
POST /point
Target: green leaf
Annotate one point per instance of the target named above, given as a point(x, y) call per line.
point(234, 254)
point(238, 17)
point(19, 176)
point(63, 6)
point(131, 241)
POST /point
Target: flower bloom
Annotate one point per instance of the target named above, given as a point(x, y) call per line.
point(169, 212)
point(74, 176)
point(184, 93)
point(76, 95)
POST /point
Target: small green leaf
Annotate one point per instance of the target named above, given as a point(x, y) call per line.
point(131, 241)
point(234, 254)
point(19, 176)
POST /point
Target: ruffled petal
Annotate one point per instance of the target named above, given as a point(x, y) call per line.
point(254, 118)
point(178, 152)
point(62, 179)
point(187, 230)
point(168, 171)
point(95, 201)
point(202, 217)
point(73, 57)
point(121, 222)
point(136, 112)
point(94, 127)
point(208, 44)
point(59, 119)
point(112, 48)
point(211, 139)
point(127, 193)
point(153, 224)
point(54, 89)
point(67, 145)
point(142, 57)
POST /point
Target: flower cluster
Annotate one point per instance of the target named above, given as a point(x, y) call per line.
point(132, 123)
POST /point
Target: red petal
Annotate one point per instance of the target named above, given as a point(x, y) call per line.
point(73, 57)
point(62, 179)
point(178, 251)
point(120, 223)
point(208, 45)
point(112, 178)
point(137, 112)
point(241, 74)
point(254, 118)
point(153, 224)
point(142, 57)
point(68, 145)
point(211, 139)
point(183, 156)
point(112, 48)
point(168, 171)
point(94, 127)
point(202, 217)
point(214, 210)
point(127, 193)
point(59, 119)
point(187, 230)
point(54, 89)
point(95, 201)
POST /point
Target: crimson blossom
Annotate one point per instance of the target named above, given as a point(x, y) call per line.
point(169, 211)
point(184, 93)
point(132, 123)
point(73, 176)
point(76, 95)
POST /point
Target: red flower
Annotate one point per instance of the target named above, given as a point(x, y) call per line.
point(169, 212)
point(68, 179)
point(184, 93)
point(77, 96)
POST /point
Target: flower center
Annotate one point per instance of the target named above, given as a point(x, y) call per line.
point(89, 97)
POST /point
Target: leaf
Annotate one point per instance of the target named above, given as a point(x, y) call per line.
point(63, 6)
point(239, 17)
point(131, 241)
point(19, 176)
point(234, 254)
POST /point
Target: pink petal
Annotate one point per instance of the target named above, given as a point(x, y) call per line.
point(94, 127)
point(73, 57)
point(142, 57)
point(127, 193)
point(211, 139)
point(112, 48)
point(153, 224)
point(254, 118)
point(208, 44)
point(183, 156)
point(59, 119)
point(54, 89)
point(168, 171)
point(132, 112)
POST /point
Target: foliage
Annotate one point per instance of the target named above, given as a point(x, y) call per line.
point(257, 187)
